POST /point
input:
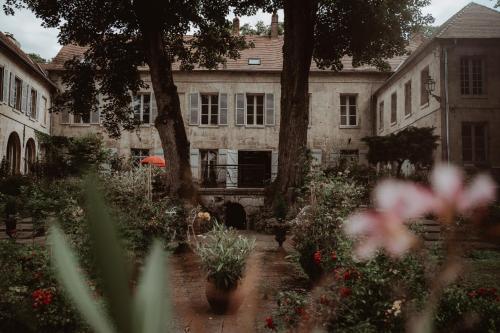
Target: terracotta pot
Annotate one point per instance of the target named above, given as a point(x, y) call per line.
point(223, 300)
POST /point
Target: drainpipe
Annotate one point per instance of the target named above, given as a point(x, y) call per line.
point(447, 105)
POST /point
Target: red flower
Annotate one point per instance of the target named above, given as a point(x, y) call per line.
point(334, 256)
point(345, 292)
point(270, 323)
point(317, 257)
point(41, 297)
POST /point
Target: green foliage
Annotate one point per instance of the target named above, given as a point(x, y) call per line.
point(413, 144)
point(25, 272)
point(291, 311)
point(468, 311)
point(71, 156)
point(37, 58)
point(145, 312)
point(260, 29)
point(223, 254)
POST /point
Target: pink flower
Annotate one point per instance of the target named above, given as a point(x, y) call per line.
point(452, 196)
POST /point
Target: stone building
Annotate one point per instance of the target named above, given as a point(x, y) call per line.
point(451, 82)
point(25, 97)
point(232, 114)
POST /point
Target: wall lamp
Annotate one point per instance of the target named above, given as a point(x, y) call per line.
point(430, 87)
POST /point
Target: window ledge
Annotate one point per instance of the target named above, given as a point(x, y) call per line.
point(408, 115)
point(80, 125)
point(208, 126)
point(349, 126)
point(255, 126)
point(475, 96)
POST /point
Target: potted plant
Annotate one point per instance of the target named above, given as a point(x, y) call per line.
point(223, 254)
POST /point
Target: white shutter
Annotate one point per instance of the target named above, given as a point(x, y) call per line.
point(40, 110)
point(222, 109)
point(154, 108)
point(274, 165)
point(194, 109)
point(28, 102)
point(270, 109)
point(5, 85)
point(222, 171)
point(94, 116)
point(317, 156)
point(240, 109)
point(194, 160)
point(232, 169)
point(24, 89)
point(12, 89)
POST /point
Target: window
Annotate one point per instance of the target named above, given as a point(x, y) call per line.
point(471, 76)
point(32, 104)
point(81, 118)
point(255, 109)
point(254, 61)
point(18, 93)
point(2, 73)
point(474, 143)
point(424, 94)
point(348, 156)
point(381, 116)
point(141, 104)
point(45, 110)
point(138, 154)
point(14, 154)
point(209, 109)
point(408, 98)
point(394, 108)
point(348, 110)
point(30, 157)
point(209, 167)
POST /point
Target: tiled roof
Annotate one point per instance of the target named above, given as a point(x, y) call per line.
point(473, 21)
point(16, 50)
point(267, 49)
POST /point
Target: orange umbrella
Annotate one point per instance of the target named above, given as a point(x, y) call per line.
point(154, 160)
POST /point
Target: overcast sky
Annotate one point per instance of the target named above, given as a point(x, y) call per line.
point(28, 30)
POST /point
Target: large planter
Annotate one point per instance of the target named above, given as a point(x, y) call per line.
point(280, 234)
point(313, 270)
point(223, 300)
point(10, 226)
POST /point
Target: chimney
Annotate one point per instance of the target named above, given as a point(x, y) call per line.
point(236, 26)
point(12, 39)
point(274, 26)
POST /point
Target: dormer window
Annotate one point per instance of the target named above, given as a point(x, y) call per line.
point(254, 61)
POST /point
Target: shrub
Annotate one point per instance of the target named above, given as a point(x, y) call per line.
point(224, 254)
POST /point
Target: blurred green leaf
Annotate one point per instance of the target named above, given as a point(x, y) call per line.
point(151, 311)
point(109, 256)
point(74, 283)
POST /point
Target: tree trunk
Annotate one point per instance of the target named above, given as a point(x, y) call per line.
point(297, 56)
point(169, 122)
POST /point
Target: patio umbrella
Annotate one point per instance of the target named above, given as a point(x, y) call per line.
point(154, 160)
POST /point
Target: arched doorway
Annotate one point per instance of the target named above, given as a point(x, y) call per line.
point(14, 153)
point(30, 157)
point(235, 216)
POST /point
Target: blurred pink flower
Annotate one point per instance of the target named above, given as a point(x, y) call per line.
point(451, 196)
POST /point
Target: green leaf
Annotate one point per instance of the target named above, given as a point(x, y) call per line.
point(110, 258)
point(151, 311)
point(74, 283)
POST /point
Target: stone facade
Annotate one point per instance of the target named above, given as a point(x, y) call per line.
point(23, 116)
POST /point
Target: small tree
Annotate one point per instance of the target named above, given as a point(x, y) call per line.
point(414, 144)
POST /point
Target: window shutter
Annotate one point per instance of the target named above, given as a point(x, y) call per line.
point(316, 156)
point(5, 85)
point(222, 171)
point(28, 102)
point(274, 165)
point(154, 108)
point(94, 116)
point(270, 109)
point(232, 169)
point(12, 85)
point(40, 110)
point(222, 109)
point(24, 88)
point(194, 160)
point(240, 109)
point(194, 109)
